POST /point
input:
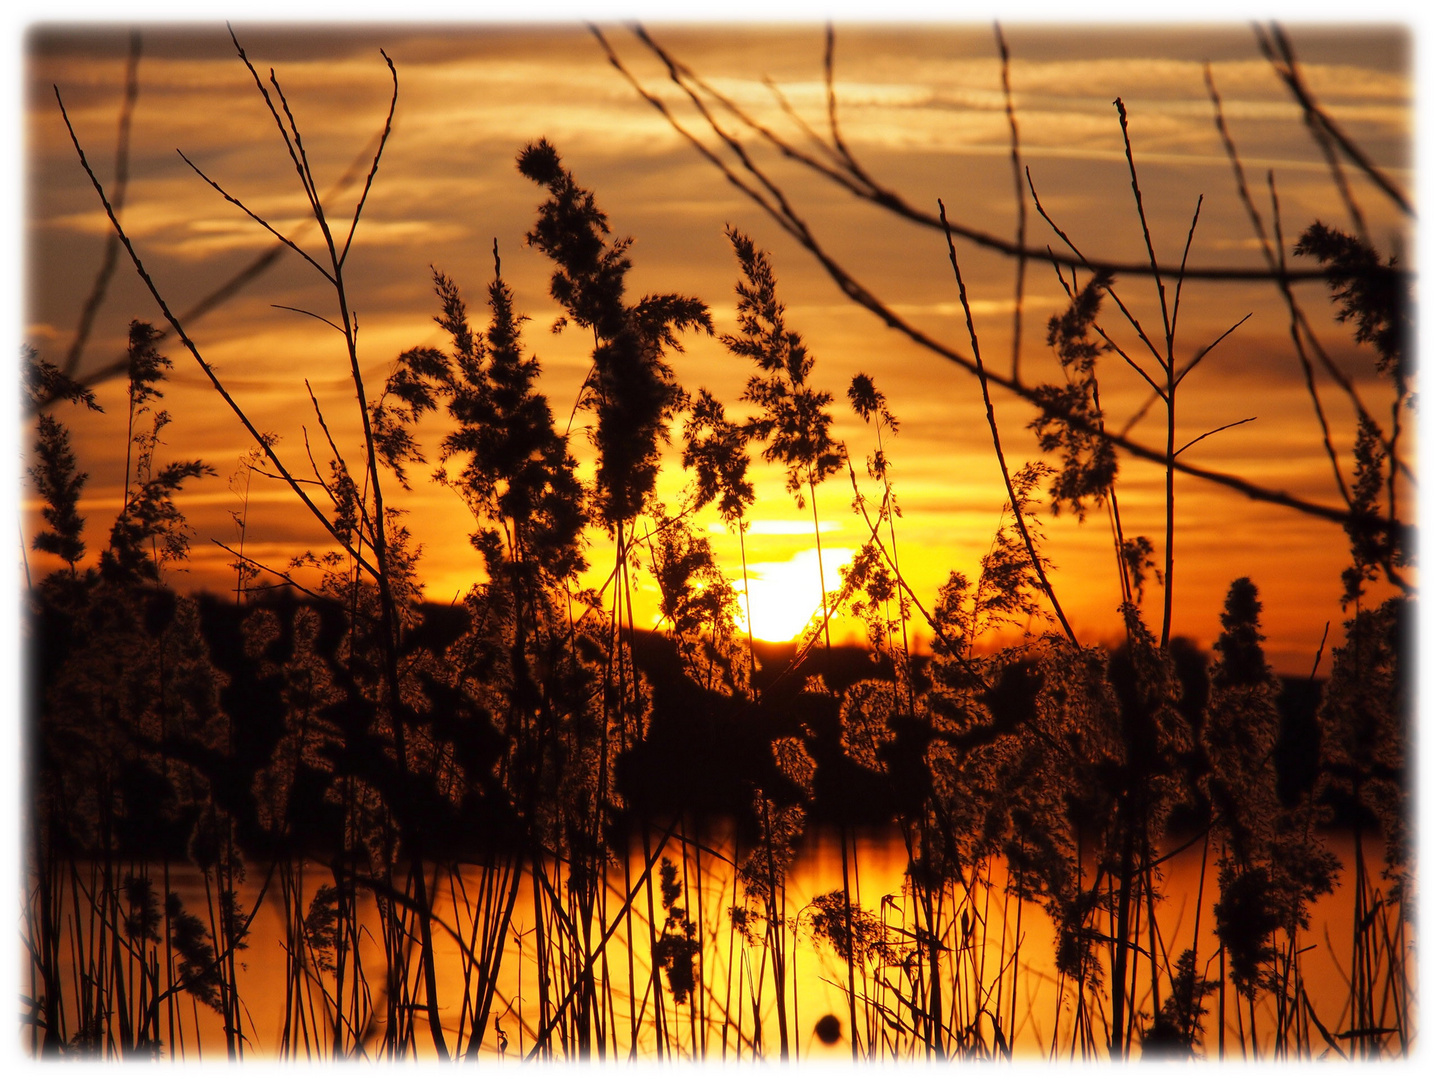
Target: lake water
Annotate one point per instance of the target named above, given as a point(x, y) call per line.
point(982, 984)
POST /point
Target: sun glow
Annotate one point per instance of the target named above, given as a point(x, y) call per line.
point(784, 595)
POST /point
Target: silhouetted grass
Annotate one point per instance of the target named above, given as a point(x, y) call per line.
point(482, 837)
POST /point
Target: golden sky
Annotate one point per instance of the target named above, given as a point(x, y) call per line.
point(921, 106)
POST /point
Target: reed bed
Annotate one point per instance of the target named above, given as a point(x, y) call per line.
point(314, 823)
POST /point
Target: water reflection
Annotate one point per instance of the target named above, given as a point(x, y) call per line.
point(986, 983)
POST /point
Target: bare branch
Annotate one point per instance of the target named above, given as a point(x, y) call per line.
point(1145, 225)
point(1015, 507)
point(112, 244)
point(1184, 258)
point(1262, 235)
point(709, 155)
point(1282, 58)
point(736, 147)
point(858, 293)
point(339, 459)
point(379, 151)
point(286, 578)
point(1207, 349)
point(256, 217)
point(264, 443)
point(856, 180)
point(1085, 263)
point(830, 105)
point(1120, 352)
point(1212, 431)
point(800, 121)
point(1017, 172)
point(1305, 364)
point(301, 169)
point(302, 311)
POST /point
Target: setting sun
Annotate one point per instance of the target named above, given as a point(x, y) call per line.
point(784, 596)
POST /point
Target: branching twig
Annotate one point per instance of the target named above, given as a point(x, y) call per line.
point(858, 293)
point(286, 578)
point(861, 184)
point(1262, 234)
point(1282, 58)
point(190, 346)
point(1015, 507)
point(220, 295)
point(253, 216)
point(375, 163)
point(1212, 431)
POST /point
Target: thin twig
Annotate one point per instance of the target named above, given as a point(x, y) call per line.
point(859, 183)
point(339, 461)
point(1145, 224)
point(1208, 348)
point(1282, 59)
point(286, 578)
point(1015, 507)
point(190, 346)
point(313, 315)
point(122, 180)
point(799, 121)
point(1262, 235)
point(218, 296)
point(1115, 297)
point(859, 294)
point(831, 110)
point(1022, 255)
point(281, 237)
point(1212, 431)
point(1184, 259)
point(375, 164)
point(295, 157)
point(1305, 364)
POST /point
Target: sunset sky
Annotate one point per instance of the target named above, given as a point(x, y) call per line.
point(922, 107)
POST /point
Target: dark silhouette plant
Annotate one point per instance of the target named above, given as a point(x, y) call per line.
point(149, 517)
point(632, 389)
point(869, 404)
point(715, 449)
point(1272, 865)
point(416, 795)
point(792, 424)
